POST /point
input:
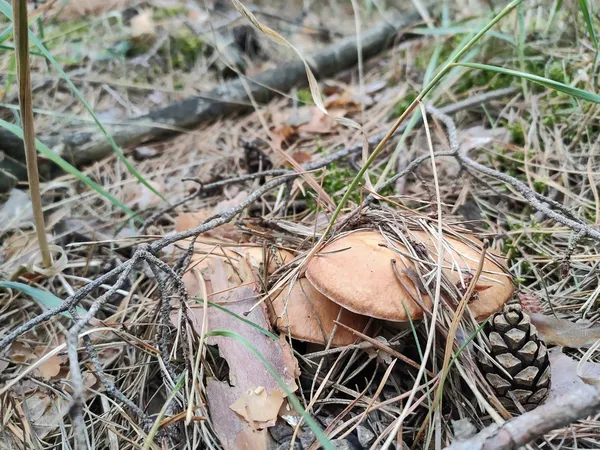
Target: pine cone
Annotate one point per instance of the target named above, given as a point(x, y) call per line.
point(516, 348)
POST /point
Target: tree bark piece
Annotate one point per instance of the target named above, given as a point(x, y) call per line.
point(577, 404)
point(90, 145)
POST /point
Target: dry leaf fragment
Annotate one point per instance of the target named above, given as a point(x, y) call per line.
point(318, 124)
point(564, 332)
point(301, 157)
point(246, 371)
point(142, 26)
point(259, 407)
point(282, 135)
point(44, 412)
point(20, 352)
point(50, 367)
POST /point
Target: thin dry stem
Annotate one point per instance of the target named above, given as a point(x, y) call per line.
point(21, 32)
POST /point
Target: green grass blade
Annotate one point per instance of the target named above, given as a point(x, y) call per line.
point(451, 31)
point(52, 156)
point(314, 426)
point(46, 299)
point(551, 84)
point(583, 6)
point(10, 77)
point(6, 9)
point(6, 34)
point(243, 319)
point(521, 46)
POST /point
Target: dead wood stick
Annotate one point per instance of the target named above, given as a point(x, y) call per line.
point(90, 145)
point(562, 411)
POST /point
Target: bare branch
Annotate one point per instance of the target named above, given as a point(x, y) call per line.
point(539, 202)
point(562, 411)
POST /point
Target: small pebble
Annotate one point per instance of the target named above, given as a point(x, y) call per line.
point(281, 431)
point(365, 436)
point(286, 445)
point(307, 437)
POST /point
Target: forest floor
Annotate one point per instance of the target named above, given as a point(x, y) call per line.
point(162, 364)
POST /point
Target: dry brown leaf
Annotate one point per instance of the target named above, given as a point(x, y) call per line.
point(259, 407)
point(564, 373)
point(225, 232)
point(345, 101)
point(20, 352)
point(564, 332)
point(50, 367)
point(282, 134)
point(301, 157)
point(318, 124)
point(246, 372)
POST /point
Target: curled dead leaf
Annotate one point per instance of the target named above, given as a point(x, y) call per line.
point(259, 407)
point(44, 412)
point(20, 352)
point(51, 366)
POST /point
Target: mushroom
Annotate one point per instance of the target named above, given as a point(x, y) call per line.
point(309, 316)
point(461, 257)
point(356, 271)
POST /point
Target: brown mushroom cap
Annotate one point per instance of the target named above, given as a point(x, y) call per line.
point(461, 258)
point(309, 316)
point(355, 271)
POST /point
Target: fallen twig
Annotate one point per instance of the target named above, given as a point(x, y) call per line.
point(87, 146)
point(336, 156)
point(521, 430)
point(549, 207)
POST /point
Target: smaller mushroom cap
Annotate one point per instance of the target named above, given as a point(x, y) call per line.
point(461, 258)
point(309, 316)
point(356, 271)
